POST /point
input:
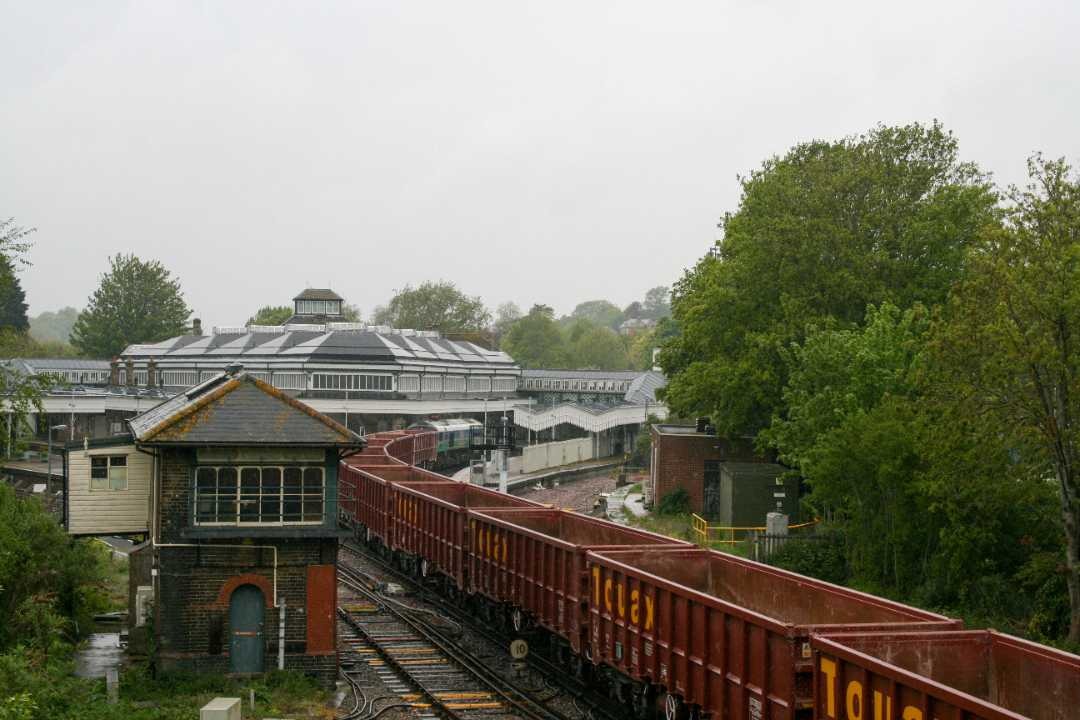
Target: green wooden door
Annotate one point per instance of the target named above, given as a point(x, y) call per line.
point(246, 642)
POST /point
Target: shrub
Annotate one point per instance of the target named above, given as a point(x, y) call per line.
point(676, 502)
point(822, 557)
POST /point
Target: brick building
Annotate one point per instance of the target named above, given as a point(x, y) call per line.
point(689, 457)
point(239, 575)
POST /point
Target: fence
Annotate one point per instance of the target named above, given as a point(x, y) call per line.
point(706, 534)
point(556, 454)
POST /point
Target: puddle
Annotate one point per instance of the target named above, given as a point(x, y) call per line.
point(100, 652)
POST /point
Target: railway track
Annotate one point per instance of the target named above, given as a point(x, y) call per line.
point(414, 653)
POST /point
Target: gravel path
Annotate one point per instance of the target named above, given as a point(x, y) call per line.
point(580, 494)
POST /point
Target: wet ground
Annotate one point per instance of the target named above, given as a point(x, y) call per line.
point(100, 652)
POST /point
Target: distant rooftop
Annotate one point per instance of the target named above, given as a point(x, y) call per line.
point(318, 294)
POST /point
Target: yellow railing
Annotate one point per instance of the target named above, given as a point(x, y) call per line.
point(707, 534)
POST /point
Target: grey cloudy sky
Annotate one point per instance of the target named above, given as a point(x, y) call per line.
point(535, 152)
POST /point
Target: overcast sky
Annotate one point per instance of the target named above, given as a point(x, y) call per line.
point(536, 152)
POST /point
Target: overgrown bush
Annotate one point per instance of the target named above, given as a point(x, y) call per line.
point(676, 502)
point(822, 557)
point(45, 576)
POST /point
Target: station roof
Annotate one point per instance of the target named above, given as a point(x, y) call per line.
point(236, 409)
point(326, 342)
point(35, 365)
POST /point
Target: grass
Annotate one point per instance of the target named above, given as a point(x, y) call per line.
point(680, 527)
point(635, 489)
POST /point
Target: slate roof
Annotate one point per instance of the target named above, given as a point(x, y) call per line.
point(643, 388)
point(318, 294)
point(237, 409)
point(40, 364)
point(324, 343)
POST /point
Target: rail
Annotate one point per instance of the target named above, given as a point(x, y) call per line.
point(706, 534)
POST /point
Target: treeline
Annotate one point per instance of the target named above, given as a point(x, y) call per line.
point(903, 334)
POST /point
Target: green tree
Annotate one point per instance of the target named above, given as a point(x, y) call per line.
point(590, 346)
point(657, 302)
point(820, 233)
point(14, 244)
point(506, 315)
point(1006, 350)
point(850, 429)
point(12, 298)
point(54, 326)
point(598, 312)
point(434, 306)
point(270, 315)
point(535, 341)
point(137, 302)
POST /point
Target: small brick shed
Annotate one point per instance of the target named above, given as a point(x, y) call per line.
point(691, 457)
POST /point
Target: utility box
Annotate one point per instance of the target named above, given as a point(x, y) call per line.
point(221, 709)
point(748, 492)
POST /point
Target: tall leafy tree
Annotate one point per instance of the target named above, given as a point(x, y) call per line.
point(136, 302)
point(434, 306)
point(535, 340)
point(12, 298)
point(657, 302)
point(592, 346)
point(1007, 351)
point(820, 233)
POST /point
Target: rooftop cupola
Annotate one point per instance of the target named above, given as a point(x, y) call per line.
point(319, 302)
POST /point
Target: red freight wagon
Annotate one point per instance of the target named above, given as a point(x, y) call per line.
point(724, 633)
point(429, 521)
point(368, 490)
point(974, 675)
point(535, 560)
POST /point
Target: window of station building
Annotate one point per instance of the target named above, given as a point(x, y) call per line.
point(431, 383)
point(479, 384)
point(504, 385)
point(454, 383)
point(290, 381)
point(141, 376)
point(263, 376)
point(108, 472)
point(408, 383)
point(178, 378)
point(352, 382)
point(318, 307)
point(259, 495)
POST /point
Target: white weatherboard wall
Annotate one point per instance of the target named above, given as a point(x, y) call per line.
point(550, 455)
point(107, 512)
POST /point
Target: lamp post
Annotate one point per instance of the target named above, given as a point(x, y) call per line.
point(48, 456)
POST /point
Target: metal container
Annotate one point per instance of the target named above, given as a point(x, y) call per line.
point(974, 675)
point(724, 633)
point(534, 560)
point(429, 521)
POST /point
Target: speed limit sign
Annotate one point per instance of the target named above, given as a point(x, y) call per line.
point(519, 649)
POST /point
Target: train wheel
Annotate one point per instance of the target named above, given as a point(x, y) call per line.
point(675, 708)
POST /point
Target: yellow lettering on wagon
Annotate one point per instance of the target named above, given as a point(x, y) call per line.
point(882, 706)
point(635, 608)
point(607, 594)
point(828, 669)
point(854, 698)
point(620, 593)
point(912, 713)
point(596, 585)
point(648, 613)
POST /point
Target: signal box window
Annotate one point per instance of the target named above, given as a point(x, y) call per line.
point(263, 495)
point(108, 472)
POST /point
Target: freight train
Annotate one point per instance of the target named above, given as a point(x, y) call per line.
point(675, 631)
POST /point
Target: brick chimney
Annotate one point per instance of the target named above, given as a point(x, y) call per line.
point(196, 327)
point(114, 371)
point(130, 367)
point(151, 373)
